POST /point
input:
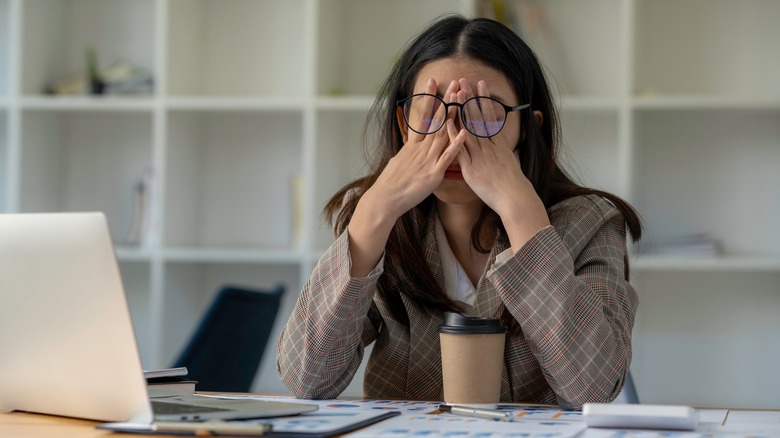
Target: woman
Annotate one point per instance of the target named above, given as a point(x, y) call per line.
point(467, 209)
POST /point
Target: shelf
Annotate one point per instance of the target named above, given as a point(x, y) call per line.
point(589, 103)
point(132, 253)
point(345, 103)
point(693, 102)
point(288, 104)
point(88, 103)
point(714, 264)
point(231, 255)
point(258, 115)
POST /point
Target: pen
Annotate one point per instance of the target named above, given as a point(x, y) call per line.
point(211, 427)
point(467, 411)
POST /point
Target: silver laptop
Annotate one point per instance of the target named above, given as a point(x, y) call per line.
point(67, 345)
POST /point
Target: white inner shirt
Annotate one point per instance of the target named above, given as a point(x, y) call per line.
point(457, 284)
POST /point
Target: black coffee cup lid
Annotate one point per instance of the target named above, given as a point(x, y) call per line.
point(455, 323)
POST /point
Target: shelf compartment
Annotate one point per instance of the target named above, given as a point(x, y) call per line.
point(359, 40)
point(579, 43)
point(701, 47)
point(340, 159)
point(57, 35)
point(230, 179)
point(136, 280)
point(85, 161)
point(190, 287)
point(698, 173)
point(692, 330)
point(590, 148)
point(237, 48)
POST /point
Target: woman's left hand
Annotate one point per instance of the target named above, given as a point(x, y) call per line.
point(491, 168)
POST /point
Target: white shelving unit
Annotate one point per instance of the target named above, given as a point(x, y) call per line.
point(257, 115)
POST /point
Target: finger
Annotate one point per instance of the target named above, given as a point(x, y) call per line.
point(449, 94)
point(426, 110)
point(493, 118)
point(438, 140)
point(455, 147)
point(442, 139)
point(472, 120)
point(472, 113)
point(466, 87)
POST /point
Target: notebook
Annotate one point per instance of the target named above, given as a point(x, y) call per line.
point(67, 345)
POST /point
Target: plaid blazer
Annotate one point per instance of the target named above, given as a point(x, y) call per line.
point(569, 341)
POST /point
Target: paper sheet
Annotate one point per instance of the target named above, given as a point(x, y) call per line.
point(447, 425)
point(533, 421)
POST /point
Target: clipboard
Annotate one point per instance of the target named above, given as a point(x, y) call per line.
point(279, 427)
point(205, 428)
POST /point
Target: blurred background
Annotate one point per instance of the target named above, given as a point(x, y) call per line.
point(211, 133)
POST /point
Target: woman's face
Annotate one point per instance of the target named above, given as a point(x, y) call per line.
point(453, 189)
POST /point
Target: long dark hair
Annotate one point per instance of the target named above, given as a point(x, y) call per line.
point(406, 271)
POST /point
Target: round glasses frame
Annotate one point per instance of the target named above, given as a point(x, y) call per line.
point(507, 109)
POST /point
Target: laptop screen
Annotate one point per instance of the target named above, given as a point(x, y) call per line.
point(67, 345)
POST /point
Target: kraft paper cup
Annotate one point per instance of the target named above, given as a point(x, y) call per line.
point(472, 357)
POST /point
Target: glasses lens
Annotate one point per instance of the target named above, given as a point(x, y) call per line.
point(424, 113)
point(484, 117)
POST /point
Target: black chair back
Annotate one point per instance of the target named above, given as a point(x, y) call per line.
point(225, 350)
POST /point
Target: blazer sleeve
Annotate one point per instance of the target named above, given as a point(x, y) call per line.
point(567, 290)
point(321, 347)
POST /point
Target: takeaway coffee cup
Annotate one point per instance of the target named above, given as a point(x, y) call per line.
point(472, 355)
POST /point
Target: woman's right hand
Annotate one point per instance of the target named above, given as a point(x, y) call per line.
point(418, 168)
point(409, 177)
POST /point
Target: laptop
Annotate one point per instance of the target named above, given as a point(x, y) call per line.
point(67, 345)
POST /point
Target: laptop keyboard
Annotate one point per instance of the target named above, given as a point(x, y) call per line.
point(166, 408)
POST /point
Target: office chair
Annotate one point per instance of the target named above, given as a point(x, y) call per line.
point(629, 390)
point(225, 350)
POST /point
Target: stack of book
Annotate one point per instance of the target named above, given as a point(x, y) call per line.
point(170, 380)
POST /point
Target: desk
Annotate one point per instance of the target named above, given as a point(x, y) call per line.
point(26, 425)
point(29, 425)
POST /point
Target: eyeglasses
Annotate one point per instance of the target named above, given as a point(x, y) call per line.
point(482, 116)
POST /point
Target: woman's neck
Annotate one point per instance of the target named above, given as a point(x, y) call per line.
point(458, 221)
